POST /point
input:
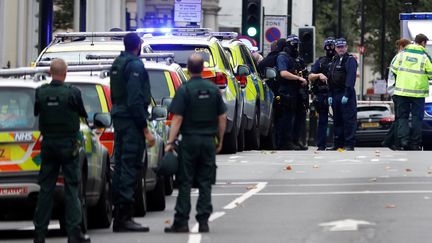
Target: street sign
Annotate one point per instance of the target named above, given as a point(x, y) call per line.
point(187, 11)
point(275, 27)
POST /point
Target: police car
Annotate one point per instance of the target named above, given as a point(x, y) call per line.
point(75, 46)
point(257, 96)
point(20, 144)
point(184, 42)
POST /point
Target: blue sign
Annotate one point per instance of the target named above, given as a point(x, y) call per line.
point(272, 34)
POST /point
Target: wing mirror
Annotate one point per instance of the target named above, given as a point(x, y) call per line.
point(159, 113)
point(242, 71)
point(166, 102)
point(102, 120)
point(270, 73)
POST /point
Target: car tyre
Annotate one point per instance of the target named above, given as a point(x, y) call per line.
point(253, 136)
point(229, 145)
point(241, 137)
point(156, 198)
point(269, 141)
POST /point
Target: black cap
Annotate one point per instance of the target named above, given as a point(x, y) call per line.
point(131, 41)
point(340, 42)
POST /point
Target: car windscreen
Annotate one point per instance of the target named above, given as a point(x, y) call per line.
point(373, 111)
point(159, 84)
point(17, 109)
point(90, 96)
point(182, 52)
point(74, 56)
point(429, 49)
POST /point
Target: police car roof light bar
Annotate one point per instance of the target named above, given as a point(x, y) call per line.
point(78, 63)
point(38, 70)
point(415, 16)
point(92, 34)
point(174, 31)
point(224, 35)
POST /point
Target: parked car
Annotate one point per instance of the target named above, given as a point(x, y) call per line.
point(374, 119)
point(20, 144)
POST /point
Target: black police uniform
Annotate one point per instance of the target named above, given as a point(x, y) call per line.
point(59, 107)
point(200, 103)
point(320, 90)
point(292, 120)
point(130, 96)
point(343, 70)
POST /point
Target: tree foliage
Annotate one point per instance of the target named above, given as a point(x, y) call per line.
point(63, 14)
point(326, 24)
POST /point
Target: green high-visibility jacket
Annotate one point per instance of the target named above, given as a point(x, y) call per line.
point(413, 70)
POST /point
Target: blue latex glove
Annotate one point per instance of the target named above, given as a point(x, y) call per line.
point(330, 101)
point(344, 100)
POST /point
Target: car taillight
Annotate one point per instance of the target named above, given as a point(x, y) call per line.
point(60, 180)
point(37, 146)
point(387, 119)
point(220, 79)
point(107, 135)
point(169, 119)
point(242, 81)
point(107, 92)
point(176, 80)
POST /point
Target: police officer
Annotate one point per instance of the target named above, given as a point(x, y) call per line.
point(199, 116)
point(319, 76)
point(342, 96)
point(130, 96)
point(412, 69)
point(291, 123)
point(59, 107)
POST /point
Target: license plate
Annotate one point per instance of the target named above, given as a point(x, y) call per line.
point(13, 191)
point(370, 124)
point(5, 154)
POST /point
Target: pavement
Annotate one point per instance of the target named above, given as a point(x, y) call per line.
point(368, 195)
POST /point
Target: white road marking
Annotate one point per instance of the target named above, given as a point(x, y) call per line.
point(344, 225)
point(50, 227)
point(194, 236)
point(341, 193)
point(246, 195)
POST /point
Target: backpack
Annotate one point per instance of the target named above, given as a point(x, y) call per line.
point(268, 61)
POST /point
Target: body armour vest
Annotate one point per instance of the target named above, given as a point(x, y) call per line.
point(57, 117)
point(324, 68)
point(201, 114)
point(338, 72)
point(118, 80)
point(296, 65)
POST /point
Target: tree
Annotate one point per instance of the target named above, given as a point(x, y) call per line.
point(326, 25)
point(63, 14)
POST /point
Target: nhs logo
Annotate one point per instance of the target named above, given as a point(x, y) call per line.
point(23, 136)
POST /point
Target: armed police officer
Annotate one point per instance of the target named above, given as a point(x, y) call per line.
point(130, 96)
point(412, 68)
point(319, 76)
point(199, 116)
point(342, 96)
point(292, 94)
point(59, 107)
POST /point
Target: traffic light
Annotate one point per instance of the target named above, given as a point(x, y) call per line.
point(307, 43)
point(251, 19)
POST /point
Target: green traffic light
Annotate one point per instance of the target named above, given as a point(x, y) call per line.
point(252, 31)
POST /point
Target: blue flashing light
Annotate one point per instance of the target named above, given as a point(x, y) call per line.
point(428, 109)
point(416, 16)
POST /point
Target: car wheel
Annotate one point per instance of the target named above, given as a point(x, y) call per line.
point(241, 138)
point(140, 206)
point(156, 198)
point(229, 145)
point(269, 141)
point(169, 185)
point(253, 136)
point(100, 216)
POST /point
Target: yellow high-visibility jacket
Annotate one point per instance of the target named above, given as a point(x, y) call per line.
point(413, 70)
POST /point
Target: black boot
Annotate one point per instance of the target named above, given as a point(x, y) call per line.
point(203, 227)
point(38, 239)
point(300, 146)
point(79, 238)
point(123, 222)
point(177, 229)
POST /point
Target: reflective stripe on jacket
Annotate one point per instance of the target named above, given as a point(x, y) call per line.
point(413, 69)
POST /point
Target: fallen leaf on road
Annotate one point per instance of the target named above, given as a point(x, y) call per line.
point(167, 221)
point(316, 152)
point(251, 187)
point(377, 151)
point(390, 206)
point(426, 198)
point(408, 170)
point(387, 167)
point(373, 179)
point(429, 172)
point(316, 166)
point(272, 152)
point(341, 150)
point(289, 167)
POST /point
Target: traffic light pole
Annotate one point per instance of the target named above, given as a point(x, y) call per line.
point(46, 13)
point(289, 16)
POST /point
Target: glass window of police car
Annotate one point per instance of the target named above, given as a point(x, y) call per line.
point(16, 109)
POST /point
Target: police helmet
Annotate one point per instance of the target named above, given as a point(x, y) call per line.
point(169, 164)
point(293, 40)
point(329, 42)
point(131, 41)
